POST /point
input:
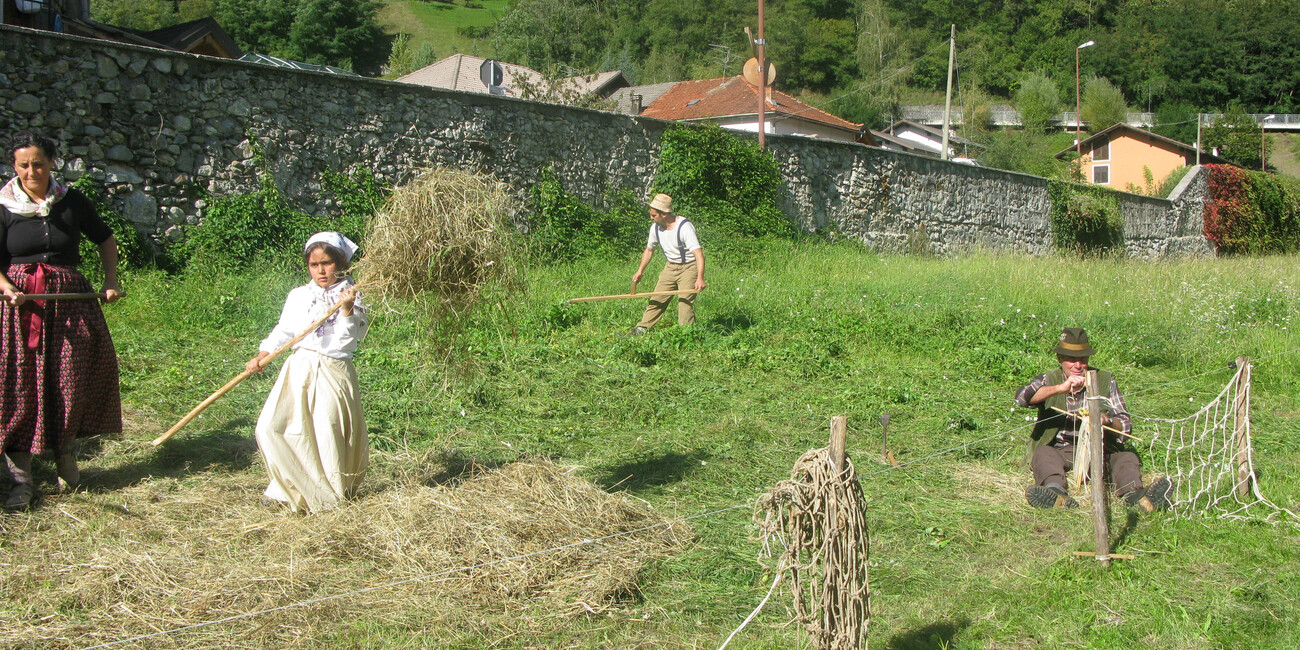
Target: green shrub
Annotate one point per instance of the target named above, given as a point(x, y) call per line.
point(1085, 220)
point(564, 228)
point(728, 187)
point(241, 229)
point(1171, 181)
point(133, 251)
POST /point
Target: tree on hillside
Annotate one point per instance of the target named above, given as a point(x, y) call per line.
point(814, 43)
point(404, 59)
point(342, 33)
point(339, 32)
point(148, 15)
point(1177, 120)
point(1103, 104)
point(1236, 135)
point(1038, 101)
point(547, 33)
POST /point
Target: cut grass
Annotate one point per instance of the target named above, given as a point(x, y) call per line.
point(698, 422)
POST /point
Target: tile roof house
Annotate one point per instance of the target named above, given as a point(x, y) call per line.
point(461, 72)
point(914, 137)
point(732, 102)
point(1117, 157)
point(203, 36)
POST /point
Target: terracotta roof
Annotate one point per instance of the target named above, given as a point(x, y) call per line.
point(731, 96)
point(1168, 143)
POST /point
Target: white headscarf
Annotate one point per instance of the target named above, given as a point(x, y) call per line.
point(334, 239)
point(13, 197)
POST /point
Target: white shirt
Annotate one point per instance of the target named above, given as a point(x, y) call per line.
point(336, 337)
point(667, 239)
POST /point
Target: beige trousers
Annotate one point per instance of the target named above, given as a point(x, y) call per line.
point(674, 277)
point(312, 434)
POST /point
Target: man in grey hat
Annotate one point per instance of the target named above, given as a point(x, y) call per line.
point(675, 235)
point(1052, 442)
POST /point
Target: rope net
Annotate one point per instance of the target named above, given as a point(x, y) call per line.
point(818, 515)
point(1208, 457)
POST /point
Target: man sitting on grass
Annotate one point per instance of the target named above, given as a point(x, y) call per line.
point(1059, 394)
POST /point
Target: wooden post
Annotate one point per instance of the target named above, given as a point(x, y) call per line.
point(1096, 446)
point(839, 438)
point(1241, 428)
point(884, 437)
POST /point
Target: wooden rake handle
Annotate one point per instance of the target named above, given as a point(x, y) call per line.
point(648, 294)
point(189, 417)
point(64, 296)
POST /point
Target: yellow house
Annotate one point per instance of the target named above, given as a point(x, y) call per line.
point(1127, 158)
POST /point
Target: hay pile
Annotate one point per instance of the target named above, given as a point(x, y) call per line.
point(440, 233)
point(99, 567)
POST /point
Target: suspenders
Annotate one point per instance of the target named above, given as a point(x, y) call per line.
point(681, 250)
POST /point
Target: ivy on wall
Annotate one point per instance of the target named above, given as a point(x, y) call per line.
point(1085, 220)
point(1252, 212)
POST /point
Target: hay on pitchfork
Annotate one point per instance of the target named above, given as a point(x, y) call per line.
point(442, 233)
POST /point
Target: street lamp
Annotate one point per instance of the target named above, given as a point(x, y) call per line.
point(1078, 112)
point(1261, 140)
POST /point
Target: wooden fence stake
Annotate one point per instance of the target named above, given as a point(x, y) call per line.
point(1096, 447)
point(839, 439)
point(1241, 428)
point(884, 440)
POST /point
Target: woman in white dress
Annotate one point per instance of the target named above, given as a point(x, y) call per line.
point(311, 431)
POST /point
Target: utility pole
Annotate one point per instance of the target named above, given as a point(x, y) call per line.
point(947, 102)
point(1199, 119)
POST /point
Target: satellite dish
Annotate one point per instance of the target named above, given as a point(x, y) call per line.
point(751, 71)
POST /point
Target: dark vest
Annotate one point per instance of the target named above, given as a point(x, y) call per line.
point(1049, 419)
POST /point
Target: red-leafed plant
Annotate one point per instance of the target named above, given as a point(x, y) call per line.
point(1228, 211)
point(1251, 212)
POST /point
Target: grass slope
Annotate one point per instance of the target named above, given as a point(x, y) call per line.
point(698, 422)
point(437, 23)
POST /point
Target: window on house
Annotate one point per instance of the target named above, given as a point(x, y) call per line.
point(1101, 150)
point(1101, 174)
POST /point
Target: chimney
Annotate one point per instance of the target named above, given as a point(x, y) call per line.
point(636, 104)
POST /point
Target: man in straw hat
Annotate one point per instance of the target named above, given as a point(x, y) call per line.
point(1051, 444)
point(685, 268)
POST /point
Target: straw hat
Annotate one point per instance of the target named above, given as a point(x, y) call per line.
point(663, 203)
point(1074, 343)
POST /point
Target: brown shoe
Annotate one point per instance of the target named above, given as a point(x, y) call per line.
point(20, 497)
point(1044, 497)
point(69, 473)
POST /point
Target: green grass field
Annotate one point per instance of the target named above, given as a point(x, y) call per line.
point(698, 422)
point(437, 22)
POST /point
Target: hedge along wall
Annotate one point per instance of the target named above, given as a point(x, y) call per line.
point(164, 130)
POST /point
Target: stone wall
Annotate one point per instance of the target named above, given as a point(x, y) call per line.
point(165, 131)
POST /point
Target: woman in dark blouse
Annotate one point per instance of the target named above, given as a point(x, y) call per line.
point(56, 356)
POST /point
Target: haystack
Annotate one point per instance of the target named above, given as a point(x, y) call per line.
point(441, 233)
point(102, 567)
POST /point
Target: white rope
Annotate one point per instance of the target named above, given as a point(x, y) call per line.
point(754, 613)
